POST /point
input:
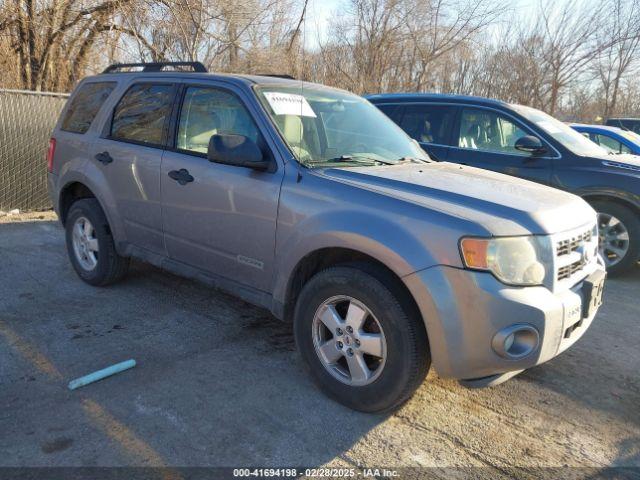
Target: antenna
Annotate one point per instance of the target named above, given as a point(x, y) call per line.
point(304, 42)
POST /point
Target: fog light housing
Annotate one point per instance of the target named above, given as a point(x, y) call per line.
point(516, 341)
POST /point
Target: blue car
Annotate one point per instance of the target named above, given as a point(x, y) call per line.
point(527, 143)
point(612, 139)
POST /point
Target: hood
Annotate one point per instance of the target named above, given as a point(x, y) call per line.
point(502, 204)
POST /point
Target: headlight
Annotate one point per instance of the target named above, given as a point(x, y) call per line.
point(512, 260)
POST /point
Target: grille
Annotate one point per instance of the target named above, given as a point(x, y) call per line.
point(565, 247)
point(566, 272)
point(574, 253)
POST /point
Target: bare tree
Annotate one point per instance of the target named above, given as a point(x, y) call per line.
point(569, 43)
point(621, 38)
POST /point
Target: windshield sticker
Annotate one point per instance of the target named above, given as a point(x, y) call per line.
point(548, 127)
point(289, 104)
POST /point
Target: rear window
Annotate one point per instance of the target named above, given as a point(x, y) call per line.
point(142, 114)
point(85, 105)
point(427, 123)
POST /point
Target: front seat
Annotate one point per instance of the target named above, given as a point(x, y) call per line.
point(293, 132)
point(472, 137)
point(202, 125)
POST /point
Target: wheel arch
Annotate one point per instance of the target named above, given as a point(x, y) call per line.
point(71, 192)
point(79, 187)
point(607, 197)
point(327, 257)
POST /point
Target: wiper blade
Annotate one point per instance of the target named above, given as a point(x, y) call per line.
point(360, 159)
point(414, 159)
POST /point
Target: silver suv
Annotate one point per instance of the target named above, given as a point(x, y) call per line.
point(310, 202)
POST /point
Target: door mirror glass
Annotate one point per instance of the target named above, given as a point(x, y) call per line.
point(236, 150)
point(530, 144)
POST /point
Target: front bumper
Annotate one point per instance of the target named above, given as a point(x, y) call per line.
point(463, 311)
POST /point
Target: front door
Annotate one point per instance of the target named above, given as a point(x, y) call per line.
point(218, 218)
point(129, 156)
point(486, 138)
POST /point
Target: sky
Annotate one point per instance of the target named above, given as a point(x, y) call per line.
point(318, 14)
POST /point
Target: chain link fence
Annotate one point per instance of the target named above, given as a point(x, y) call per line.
point(26, 122)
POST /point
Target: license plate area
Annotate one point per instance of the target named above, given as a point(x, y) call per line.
point(592, 290)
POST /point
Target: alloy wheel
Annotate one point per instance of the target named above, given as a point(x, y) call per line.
point(349, 341)
point(613, 239)
point(85, 243)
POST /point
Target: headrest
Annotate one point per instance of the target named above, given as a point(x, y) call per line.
point(292, 129)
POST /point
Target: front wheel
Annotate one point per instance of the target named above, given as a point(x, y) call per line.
point(361, 337)
point(619, 236)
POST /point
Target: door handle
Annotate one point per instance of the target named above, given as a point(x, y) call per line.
point(181, 176)
point(104, 158)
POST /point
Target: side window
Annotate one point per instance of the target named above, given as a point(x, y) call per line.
point(142, 113)
point(610, 144)
point(208, 111)
point(391, 111)
point(85, 105)
point(488, 131)
point(428, 123)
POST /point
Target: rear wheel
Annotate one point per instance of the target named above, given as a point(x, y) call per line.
point(619, 236)
point(362, 339)
point(90, 244)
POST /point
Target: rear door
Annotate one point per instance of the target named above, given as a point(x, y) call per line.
point(429, 124)
point(223, 219)
point(486, 138)
point(129, 155)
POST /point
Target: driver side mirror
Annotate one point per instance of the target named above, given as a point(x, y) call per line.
point(236, 150)
point(530, 144)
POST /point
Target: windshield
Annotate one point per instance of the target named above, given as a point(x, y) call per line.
point(563, 133)
point(325, 127)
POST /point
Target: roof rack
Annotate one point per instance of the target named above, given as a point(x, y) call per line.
point(155, 66)
point(277, 75)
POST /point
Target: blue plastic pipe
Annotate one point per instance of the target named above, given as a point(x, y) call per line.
point(100, 374)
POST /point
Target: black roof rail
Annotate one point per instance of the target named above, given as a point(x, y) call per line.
point(277, 75)
point(156, 66)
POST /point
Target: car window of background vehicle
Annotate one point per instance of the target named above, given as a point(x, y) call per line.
point(426, 123)
point(611, 144)
point(561, 132)
point(489, 131)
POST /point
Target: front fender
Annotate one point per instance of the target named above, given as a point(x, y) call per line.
point(610, 192)
point(392, 244)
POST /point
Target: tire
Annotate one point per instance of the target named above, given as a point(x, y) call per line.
point(109, 267)
point(406, 350)
point(631, 223)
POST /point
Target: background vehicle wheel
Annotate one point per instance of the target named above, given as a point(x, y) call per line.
point(90, 244)
point(363, 340)
point(619, 231)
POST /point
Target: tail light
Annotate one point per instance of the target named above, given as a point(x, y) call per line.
point(50, 153)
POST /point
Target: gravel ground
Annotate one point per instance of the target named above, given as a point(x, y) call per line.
point(218, 383)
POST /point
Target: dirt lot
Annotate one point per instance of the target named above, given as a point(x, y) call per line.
point(218, 383)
